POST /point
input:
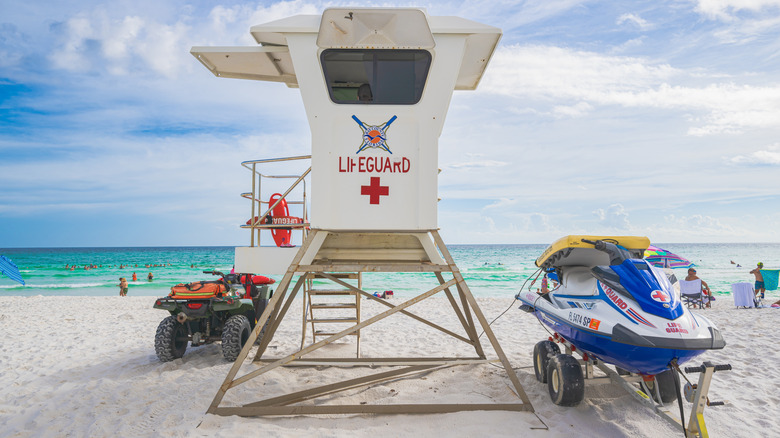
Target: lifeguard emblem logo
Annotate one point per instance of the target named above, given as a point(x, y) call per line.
point(374, 136)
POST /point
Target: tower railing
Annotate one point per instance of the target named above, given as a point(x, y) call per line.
point(257, 222)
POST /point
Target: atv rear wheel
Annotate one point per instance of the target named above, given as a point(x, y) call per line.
point(171, 339)
point(565, 380)
point(234, 336)
point(543, 351)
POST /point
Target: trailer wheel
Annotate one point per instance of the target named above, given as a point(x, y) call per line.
point(543, 351)
point(666, 386)
point(565, 380)
point(171, 339)
point(234, 336)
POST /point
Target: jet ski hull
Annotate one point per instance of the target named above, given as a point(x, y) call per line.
point(647, 359)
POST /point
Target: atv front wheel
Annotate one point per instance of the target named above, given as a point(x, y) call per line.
point(171, 339)
point(234, 336)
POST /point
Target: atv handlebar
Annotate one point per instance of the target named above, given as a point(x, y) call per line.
point(214, 273)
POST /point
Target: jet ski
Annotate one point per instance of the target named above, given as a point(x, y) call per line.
point(606, 301)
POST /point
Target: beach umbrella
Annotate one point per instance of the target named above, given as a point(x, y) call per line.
point(8, 268)
point(662, 258)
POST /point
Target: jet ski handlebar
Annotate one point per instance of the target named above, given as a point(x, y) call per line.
point(617, 255)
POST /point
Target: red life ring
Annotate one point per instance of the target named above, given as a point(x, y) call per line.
point(282, 236)
point(280, 215)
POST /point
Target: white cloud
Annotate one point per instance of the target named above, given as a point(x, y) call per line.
point(501, 204)
point(725, 9)
point(539, 74)
point(283, 9)
point(477, 164)
point(548, 72)
point(222, 16)
point(14, 45)
point(539, 222)
point(576, 110)
point(696, 225)
point(71, 55)
point(770, 156)
point(509, 14)
point(120, 44)
point(165, 49)
point(635, 20)
point(615, 216)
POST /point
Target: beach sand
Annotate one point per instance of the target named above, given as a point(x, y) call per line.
point(85, 366)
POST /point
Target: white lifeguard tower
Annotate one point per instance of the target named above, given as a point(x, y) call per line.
point(376, 84)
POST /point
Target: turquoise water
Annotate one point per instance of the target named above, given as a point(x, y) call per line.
point(489, 270)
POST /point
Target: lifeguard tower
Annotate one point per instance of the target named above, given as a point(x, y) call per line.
point(376, 85)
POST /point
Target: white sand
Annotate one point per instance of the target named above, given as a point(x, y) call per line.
point(79, 366)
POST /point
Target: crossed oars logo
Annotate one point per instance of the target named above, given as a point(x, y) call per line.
point(374, 136)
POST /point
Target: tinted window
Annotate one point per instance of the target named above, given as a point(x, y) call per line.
point(389, 77)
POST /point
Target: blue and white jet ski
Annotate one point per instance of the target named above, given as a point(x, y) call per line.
point(616, 307)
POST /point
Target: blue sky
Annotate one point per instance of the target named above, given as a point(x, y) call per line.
point(656, 118)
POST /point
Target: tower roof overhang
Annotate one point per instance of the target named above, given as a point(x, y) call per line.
point(375, 28)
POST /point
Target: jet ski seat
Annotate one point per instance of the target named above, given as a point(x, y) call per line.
point(577, 280)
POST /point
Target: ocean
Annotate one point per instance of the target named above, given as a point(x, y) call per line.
point(489, 270)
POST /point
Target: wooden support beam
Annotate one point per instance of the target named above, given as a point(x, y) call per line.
point(409, 314)
point(372, 409)
point(339, 335)
point(297, 397)
point(382, 361)
point(372, 267)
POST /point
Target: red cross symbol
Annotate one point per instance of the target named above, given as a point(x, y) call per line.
point(660, 296)
point(374, 190)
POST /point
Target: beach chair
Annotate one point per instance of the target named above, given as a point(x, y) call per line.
point(691, 293)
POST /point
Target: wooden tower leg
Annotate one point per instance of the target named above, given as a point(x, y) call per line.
point(466, 292)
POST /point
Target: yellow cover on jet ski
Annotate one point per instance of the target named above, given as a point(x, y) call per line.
point(571, 250)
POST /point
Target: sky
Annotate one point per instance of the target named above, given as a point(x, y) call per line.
point(658, 118)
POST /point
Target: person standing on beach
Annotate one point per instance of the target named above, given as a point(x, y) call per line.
point(122, 287)
point(759, 287)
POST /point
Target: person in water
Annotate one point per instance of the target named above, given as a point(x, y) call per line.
point(123, 287)
point(150, 277)
point(704, 287)
point(759, 287)
point(135, 277)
